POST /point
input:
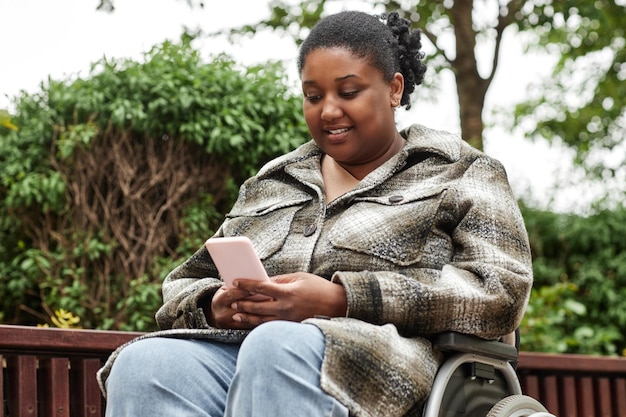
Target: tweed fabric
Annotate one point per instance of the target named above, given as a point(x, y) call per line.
point(431, 241)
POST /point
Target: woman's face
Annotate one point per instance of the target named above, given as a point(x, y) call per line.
point(349, 107)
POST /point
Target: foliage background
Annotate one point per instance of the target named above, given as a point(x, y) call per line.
point(578, 301)
point(112, 180)
point(85, 151)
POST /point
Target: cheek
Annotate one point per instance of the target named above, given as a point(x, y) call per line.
point(310, 116)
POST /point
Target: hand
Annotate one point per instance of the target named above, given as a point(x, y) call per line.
point(221, 314)
point(295, 297)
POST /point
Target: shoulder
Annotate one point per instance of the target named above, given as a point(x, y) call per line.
point(426, 140)
point(273, 180)
point(305, 151)
point(447, 145)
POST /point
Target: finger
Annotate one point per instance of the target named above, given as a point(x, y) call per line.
point(226, 296)
point(258, 287)
point(260, 308)
point(241, 323)
point(285, 278)
point(248, 321)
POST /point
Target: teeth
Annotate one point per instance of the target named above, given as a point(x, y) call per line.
point(336, 131)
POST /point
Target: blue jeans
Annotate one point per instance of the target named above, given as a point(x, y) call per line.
point(274, 372)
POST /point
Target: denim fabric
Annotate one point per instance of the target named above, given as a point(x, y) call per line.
point(275, 372)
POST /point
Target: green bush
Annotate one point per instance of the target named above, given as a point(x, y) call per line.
point(108, 182)
point(111, 180)
point(578, 304)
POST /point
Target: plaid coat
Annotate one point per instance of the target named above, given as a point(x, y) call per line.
point(431, 241)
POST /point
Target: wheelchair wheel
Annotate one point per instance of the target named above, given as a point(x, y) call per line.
point(519, 406)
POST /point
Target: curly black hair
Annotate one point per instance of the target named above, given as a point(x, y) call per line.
point(386, 42)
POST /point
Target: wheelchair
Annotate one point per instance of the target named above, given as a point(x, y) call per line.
point(478, 379)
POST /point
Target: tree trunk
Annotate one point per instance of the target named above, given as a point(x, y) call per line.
point(471, 87)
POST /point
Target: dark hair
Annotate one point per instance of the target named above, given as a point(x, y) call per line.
point(385, 41)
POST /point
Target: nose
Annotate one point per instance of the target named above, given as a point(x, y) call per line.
point(331, 109)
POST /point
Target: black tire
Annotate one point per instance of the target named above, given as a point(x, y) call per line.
point(518, 406)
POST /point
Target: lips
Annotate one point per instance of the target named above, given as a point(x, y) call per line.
point(338, 131)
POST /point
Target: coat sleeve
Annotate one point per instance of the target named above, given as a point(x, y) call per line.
point(480, 287)
point(184, 291)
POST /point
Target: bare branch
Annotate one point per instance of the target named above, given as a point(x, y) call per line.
point(504, 21)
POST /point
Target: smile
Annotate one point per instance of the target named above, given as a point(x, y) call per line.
point(338, 131)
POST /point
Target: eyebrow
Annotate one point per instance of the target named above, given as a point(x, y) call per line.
point(338, 79)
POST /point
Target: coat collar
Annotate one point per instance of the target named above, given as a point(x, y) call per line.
point(419, 139)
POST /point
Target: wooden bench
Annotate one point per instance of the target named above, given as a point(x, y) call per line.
point(575, 385)
point(51, 373)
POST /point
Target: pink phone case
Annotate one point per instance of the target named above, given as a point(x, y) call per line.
point(235, 257)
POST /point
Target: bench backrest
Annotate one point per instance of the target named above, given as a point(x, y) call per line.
point(51, 372)
point(575, 385)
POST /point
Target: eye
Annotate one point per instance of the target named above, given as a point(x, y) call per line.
point(312, 98)
point(349, 94)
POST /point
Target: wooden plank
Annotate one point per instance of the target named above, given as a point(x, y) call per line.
point(550, 397)
point(572, 362)
point(22, 386)
point(2, 367)
point(589, 385)
point(619, 387)
point(569, 398)
point(530, 386)
point(586, 397)
point(54, 387)
point(49, 341)
point(603, 395)
point(87, 399)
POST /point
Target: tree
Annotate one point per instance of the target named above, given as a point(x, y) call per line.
point(438, 20)
point(583, 105)
point(573, 30)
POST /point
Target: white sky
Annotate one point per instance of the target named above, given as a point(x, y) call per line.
point(61, 38)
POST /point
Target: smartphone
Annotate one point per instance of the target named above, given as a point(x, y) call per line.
point(235, 257)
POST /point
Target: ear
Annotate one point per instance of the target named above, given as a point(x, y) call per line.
point(396, 89)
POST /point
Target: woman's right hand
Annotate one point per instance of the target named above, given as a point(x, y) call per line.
point(221, 314)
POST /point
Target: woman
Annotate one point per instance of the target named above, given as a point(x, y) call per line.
point(376, 239)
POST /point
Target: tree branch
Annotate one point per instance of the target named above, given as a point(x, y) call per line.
point(504, 21)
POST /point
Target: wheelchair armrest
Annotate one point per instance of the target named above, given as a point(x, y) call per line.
point(458, 342)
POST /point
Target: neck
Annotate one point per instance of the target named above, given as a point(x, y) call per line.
point(361, 170)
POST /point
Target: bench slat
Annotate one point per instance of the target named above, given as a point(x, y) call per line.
point(550, 397)
point(530, 386)
point(604, 394)
point(2, 402)
point(54, 389)
point(620, 396)
point(87, 399)
point(586, 397)
point(22, 385)
point(569, 398)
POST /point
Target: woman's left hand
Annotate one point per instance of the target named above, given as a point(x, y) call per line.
point(295, 297)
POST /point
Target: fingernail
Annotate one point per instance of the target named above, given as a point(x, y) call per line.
point(237, 318)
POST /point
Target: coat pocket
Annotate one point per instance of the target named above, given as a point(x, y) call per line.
point(393, 227)
point(267, 226)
